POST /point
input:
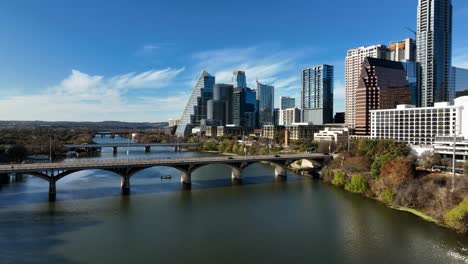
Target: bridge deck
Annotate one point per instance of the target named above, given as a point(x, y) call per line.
point(105, 164)
point(110, 145)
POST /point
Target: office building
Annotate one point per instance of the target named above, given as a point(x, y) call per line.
point(300, 131)
point(289, 116)
point(382, 85)
point(317, 95)
point(244, 108)
point(287, 102)
point(339, 118)
point(354, 59)
point(266, 104)
point(276, 114)
point(239, 79)
point(459, 80)
point(270, 131)
point(220, 108)
point(337, 135)
point(434, 51)
point(173, 122)
point(196, 107)
point(402, 51)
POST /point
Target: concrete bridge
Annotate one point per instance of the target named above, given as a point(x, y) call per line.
point(115, 146)
point(53, 172)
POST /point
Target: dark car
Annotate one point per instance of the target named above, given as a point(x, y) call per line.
point(277, 156)
point(230, 158)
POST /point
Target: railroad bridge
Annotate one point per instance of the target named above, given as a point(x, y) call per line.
point(53, 172)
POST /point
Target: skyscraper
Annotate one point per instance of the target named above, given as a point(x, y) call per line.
point(222, 98)
point(196, 107)
point(382, 85)
point(354, 60)
point(266, 104)
point(317, 94)
point(287, 102)
point(239, 80)
point(244, 108)
point(434, 51)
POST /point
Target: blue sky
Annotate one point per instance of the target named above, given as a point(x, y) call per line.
point(138, 60)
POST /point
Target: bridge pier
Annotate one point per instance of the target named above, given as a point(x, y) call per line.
point(177, 148)
point(114, 150)
point(125, 185)
point(235, 174)
point(147, 148)
point(18, 177)
point(186, 178)
point(4, 178)
point(281, 171)
point(52, 189)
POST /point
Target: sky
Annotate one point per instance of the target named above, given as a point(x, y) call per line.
point(137, 60)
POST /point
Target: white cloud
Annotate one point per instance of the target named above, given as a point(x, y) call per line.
point(84, 97)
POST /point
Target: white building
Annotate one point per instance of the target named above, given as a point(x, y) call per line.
point(289, 116)
point(421, 126)
point(338, 135)
point(173, 122)
point(354, 60)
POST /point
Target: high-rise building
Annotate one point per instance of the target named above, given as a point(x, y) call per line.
point(382, 85)
point(404, 50)
point(317, 95)
point(266, 104)
point(239, 80)
point(287, 102)
point(289, 116)
point(244, 108)
point(196, 108)
point(276, 113)
point(173, 122)
point(459, 79)
point(354, 60)
point(434, 51)
point(222, 98)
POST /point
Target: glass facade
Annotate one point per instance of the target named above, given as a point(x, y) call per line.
point(239, 80)
point(317, 94)
point(434, 51)
point(196, 107)
point(266, 104)
point(287, 102)
point(244, 110)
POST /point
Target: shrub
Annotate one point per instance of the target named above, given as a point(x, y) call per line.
point(387, 196)
point(398, 171)
point(357, 184)
point(458, 216)
point(466, 168)
point(339, 179)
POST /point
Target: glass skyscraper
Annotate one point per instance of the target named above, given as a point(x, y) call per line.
point(434, 51)
point(239, 80)
point(244, 107)
point(287, 102)
point(266, 104)
point(317, 95)
point(196, 107)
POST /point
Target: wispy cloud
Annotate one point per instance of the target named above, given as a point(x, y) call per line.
point(81, 96)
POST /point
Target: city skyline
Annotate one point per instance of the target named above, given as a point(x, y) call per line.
point(139, 72)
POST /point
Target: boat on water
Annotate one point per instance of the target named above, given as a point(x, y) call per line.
point(166, 177)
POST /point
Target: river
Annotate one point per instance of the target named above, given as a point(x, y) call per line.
point(261, 220)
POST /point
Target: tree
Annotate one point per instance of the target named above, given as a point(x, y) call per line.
point(428, 159)
point(357, 184)
point(323, 147)
point(339, 179)
point(378, 162)
point(458, 216)
point(17, 153)
point(466, 168)
point(397, 172)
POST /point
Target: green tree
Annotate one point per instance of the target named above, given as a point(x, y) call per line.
point(17, 153)
point(387, 196)
point(378, 163)
point(458, 216)
point(357, 184)
point(339, 179)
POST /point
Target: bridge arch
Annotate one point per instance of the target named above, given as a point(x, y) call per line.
point(70, 172)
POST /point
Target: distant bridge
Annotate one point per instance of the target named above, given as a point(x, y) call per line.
point(115, 146)
point(53, 172)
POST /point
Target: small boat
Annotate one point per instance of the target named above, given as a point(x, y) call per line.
point(167, 177)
